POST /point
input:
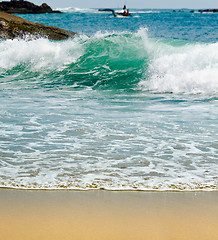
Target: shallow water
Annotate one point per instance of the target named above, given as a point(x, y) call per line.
point(132, 106)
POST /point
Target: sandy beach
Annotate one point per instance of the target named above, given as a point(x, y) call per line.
point(108, 215)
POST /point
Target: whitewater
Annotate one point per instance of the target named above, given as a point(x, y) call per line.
point(129, 104)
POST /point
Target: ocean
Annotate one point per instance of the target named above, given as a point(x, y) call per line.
point(129, 104)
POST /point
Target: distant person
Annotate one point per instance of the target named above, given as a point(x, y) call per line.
point(124, 8)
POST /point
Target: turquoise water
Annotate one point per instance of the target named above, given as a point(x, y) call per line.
point(130, 104)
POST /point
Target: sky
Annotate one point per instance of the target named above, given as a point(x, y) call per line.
point(174, 4)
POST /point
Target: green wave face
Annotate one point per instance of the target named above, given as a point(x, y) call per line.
point(112, 61)
point(103, 61)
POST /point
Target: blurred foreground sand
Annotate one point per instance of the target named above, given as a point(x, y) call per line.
point(59, 215)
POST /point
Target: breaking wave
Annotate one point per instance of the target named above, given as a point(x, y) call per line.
point(115, 60)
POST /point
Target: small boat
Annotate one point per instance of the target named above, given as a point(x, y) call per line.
point(125, 12)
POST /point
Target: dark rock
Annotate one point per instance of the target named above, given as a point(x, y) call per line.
point(21, 6)
point(208, 10)
point(12, 26)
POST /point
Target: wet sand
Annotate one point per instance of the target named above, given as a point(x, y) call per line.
point(103, 215)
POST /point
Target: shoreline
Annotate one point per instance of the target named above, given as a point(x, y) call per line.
point(203, 190)
point(108, 215)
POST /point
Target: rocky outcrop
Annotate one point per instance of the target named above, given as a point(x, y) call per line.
point(12, 26)
point(208, 10)
point(21, 6)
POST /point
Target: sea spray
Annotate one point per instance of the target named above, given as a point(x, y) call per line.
point(39, 53)
point(192, 68)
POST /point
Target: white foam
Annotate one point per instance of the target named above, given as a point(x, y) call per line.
point(190, 68)
point(144, 11)
point(78, 10)
point(39, 53)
